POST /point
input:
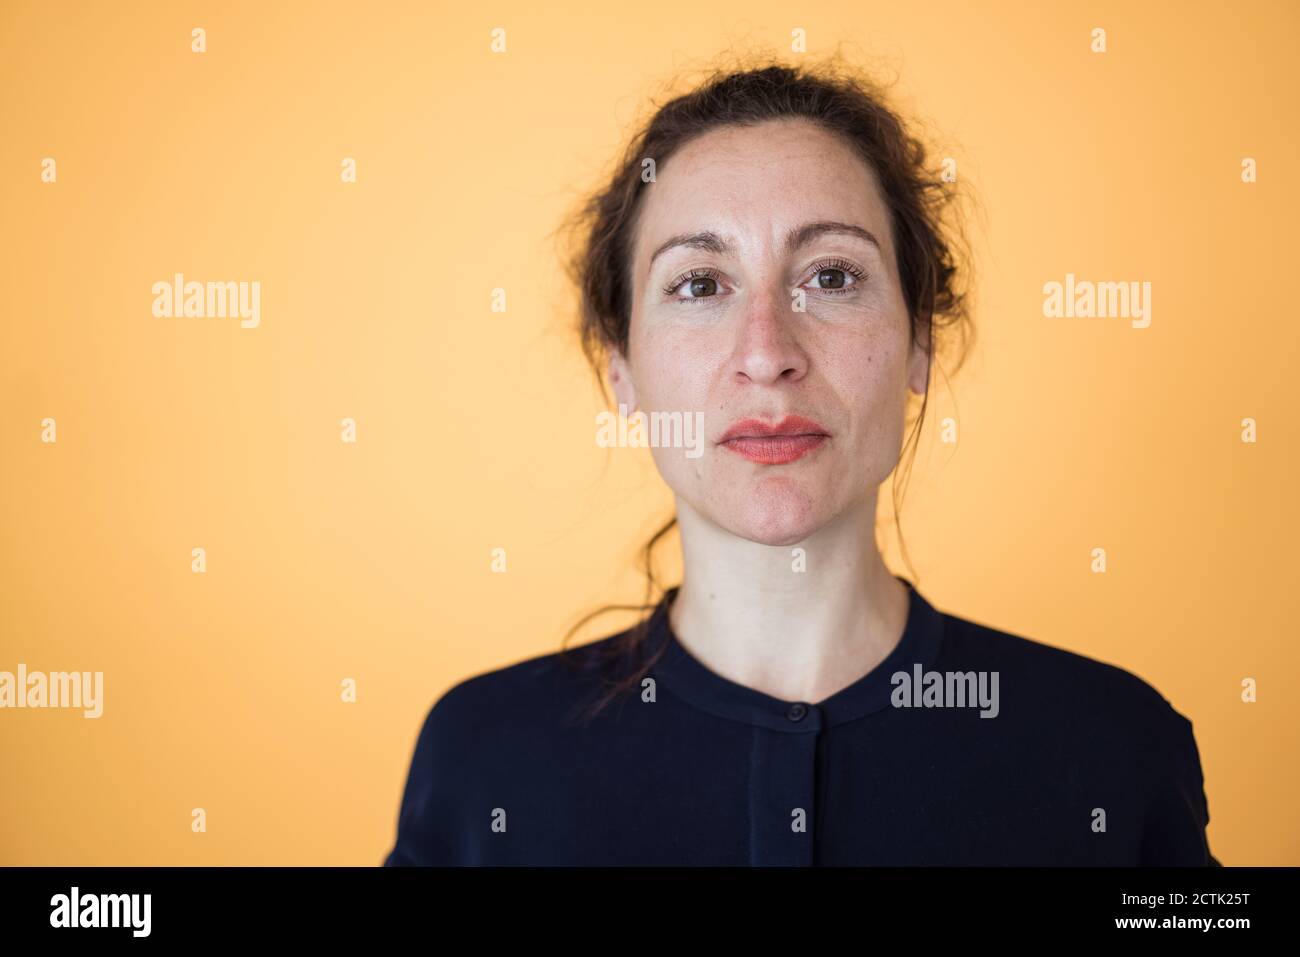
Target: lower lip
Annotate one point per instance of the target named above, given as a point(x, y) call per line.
point(775, 449)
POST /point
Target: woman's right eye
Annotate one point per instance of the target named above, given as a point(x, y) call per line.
point(698, 283)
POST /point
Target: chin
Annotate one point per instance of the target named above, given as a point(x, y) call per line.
point(775, 519)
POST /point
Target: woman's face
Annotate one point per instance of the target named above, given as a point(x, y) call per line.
point(772, 312)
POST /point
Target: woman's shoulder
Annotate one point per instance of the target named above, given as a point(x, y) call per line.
point(533, 689)
point(1067, 692)
point(496, 726)
point(1100, 718)
point(1036, 662)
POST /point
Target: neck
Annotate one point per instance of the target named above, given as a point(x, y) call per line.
point(747, 612)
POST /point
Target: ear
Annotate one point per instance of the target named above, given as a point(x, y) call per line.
point(620, 377)
point(918, 368)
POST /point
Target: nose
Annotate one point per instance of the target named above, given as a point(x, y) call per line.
point(767, 348)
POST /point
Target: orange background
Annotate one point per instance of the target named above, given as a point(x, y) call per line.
point(476, 428)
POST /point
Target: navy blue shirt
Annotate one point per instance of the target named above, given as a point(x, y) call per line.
point(965, 746)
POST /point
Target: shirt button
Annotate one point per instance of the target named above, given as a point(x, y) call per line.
point(796, 712)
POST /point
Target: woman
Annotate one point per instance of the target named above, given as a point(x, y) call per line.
point(781, 268)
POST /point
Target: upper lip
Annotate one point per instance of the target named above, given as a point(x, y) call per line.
point(757, 428)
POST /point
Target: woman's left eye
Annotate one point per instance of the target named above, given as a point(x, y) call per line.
point(837, 277)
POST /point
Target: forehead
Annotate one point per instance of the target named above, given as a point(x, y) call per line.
point(755, 182)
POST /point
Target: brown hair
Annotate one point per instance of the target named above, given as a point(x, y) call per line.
point(919, 200)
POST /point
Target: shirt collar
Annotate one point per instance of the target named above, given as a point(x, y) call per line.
point(686, 677)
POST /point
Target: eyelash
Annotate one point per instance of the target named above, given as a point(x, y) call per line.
point(708, 273)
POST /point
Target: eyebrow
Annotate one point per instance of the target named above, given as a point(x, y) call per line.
point(795, 238)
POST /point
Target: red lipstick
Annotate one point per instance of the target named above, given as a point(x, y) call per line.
point(774, 443)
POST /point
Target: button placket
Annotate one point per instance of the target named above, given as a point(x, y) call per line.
point(783, 785)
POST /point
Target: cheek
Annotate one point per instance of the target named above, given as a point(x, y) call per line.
point(869, 373)
point(673, 379)
point(677, 381)
point(865, 359)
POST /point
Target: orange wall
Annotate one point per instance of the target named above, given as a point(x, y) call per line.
point(475, 429)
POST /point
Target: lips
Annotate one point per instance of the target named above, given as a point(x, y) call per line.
point(774, 443)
